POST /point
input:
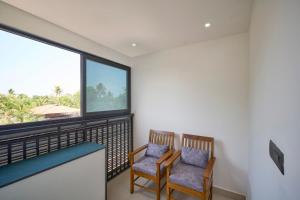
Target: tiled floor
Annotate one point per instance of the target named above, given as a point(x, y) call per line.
point(118, 189)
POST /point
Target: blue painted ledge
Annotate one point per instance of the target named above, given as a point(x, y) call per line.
point(26, 168)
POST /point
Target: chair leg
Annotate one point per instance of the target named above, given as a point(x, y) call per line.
point(168, 193)
point(131, 181)
point(204, 197)
point(211, 192)
point(158, 190)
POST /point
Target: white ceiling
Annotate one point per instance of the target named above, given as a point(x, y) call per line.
point(152, 24)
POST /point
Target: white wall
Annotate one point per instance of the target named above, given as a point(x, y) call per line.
point(83, 178)
point(24, 21)
point(275, 98)
point(200, 89)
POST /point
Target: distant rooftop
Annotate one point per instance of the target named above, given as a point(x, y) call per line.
point(54, 111)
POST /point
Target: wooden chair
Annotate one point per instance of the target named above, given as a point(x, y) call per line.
point(206, 181)
point(155, 137)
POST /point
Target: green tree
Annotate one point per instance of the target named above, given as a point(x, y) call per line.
point(11, 92)
point(16, 108)
point(101, 90)
point(40, 100)
point(57, 90)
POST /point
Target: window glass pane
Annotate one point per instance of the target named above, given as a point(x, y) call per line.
point(37, 81)
point(106, 88)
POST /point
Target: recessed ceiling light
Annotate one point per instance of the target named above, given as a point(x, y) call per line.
point(207, 25)
point(133, 44)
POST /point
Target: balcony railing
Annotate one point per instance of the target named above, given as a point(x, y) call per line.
point(115, 133)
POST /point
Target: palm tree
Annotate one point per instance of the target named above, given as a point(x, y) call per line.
point(11, 92)
point(40, 100)
point(101, 90)
point(57, 91)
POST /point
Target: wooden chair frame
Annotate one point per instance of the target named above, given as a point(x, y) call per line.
point(199, 142)
point(156, 137)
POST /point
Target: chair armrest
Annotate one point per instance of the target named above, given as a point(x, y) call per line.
point(133, 153)
point(164, 157)
point(209, 168)
point(138, 150)
point(172, 159)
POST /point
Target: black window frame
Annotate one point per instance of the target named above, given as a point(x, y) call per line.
point(83, 57)
point(110, 64)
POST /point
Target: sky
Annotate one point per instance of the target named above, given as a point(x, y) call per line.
point(114, 79)
point(34, 68)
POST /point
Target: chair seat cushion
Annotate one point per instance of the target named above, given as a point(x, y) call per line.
point(187, 175)
point(147, 164)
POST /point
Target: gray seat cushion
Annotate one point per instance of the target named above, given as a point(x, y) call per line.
point(147, 164)
point(187, 175)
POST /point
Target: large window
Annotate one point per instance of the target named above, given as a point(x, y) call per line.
point(37, 81)
point(41, 80)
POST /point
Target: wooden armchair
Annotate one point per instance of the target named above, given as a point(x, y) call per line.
point(150, 167)
point(189, 179)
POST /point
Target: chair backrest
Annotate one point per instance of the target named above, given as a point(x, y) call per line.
point(162, 138)
point(199, 142)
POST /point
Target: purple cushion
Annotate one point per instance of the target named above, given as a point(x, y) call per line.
point(147, 165)
point(188, 176)
point(156, 150)
point(192, 156)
